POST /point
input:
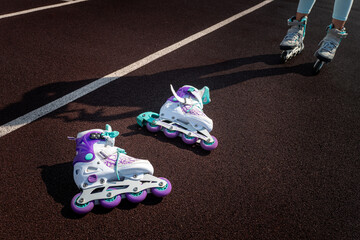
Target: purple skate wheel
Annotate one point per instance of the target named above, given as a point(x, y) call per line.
point(110, 202)
point(162, 191)
point(81, 208)
point(152, 128)
point(209, 146)
point(171, 134)
point(136, 197)
point(188, 140)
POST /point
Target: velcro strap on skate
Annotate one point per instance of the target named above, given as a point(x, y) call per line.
point(293, 22)
point(296, 23)
point(107, 151)
point(335, 32)
point(342, 34)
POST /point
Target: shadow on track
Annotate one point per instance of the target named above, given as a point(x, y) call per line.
point(147, 92)
point(61, 187)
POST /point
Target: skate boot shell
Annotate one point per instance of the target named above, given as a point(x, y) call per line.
point(105, 174)
point(182, 116)
point(293, 42)
point(328, 46)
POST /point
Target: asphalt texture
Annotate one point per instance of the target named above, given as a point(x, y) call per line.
point(287, 165)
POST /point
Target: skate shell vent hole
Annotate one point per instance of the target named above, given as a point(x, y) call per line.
point(91, 169)
point(118, 187)
point(77, 171)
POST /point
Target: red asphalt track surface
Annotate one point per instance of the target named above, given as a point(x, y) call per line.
point(288, 161)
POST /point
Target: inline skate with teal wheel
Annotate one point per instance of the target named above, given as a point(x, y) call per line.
point(328, 46)
point(293, 42)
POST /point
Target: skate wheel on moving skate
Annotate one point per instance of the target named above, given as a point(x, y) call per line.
point(110, 202)
point(188, 140)
point(152, 127)
point(162, 191)
point(81, 208)
point(136, 197)
point(317, 66)
point(170, 133)
point(283, 57)
point(209, 146)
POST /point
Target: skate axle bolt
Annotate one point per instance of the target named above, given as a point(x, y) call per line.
point(135, 176)
point(135, 189)
point(102, 181)
point(85, 184)
point(81, 200)
point(161, 184)
point(108, 195)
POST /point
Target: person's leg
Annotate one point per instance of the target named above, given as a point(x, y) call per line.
point(304, 8)
point(335, 32)
point(341, 12)
point(292, 43)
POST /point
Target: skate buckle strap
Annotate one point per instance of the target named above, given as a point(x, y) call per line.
point(291, 22)
point(113, 134)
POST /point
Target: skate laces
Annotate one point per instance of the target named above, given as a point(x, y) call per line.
point(291, 36)
point(295, 28)
point(118, 151)
point(294, 33)
point(328, 46)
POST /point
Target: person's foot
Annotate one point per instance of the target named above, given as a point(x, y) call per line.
point(330, 43)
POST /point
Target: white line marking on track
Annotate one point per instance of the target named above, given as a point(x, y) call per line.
point(52, 106)
point(40, 8)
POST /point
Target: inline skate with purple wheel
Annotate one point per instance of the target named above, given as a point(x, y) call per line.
point(182, 115)
point(105, 174)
